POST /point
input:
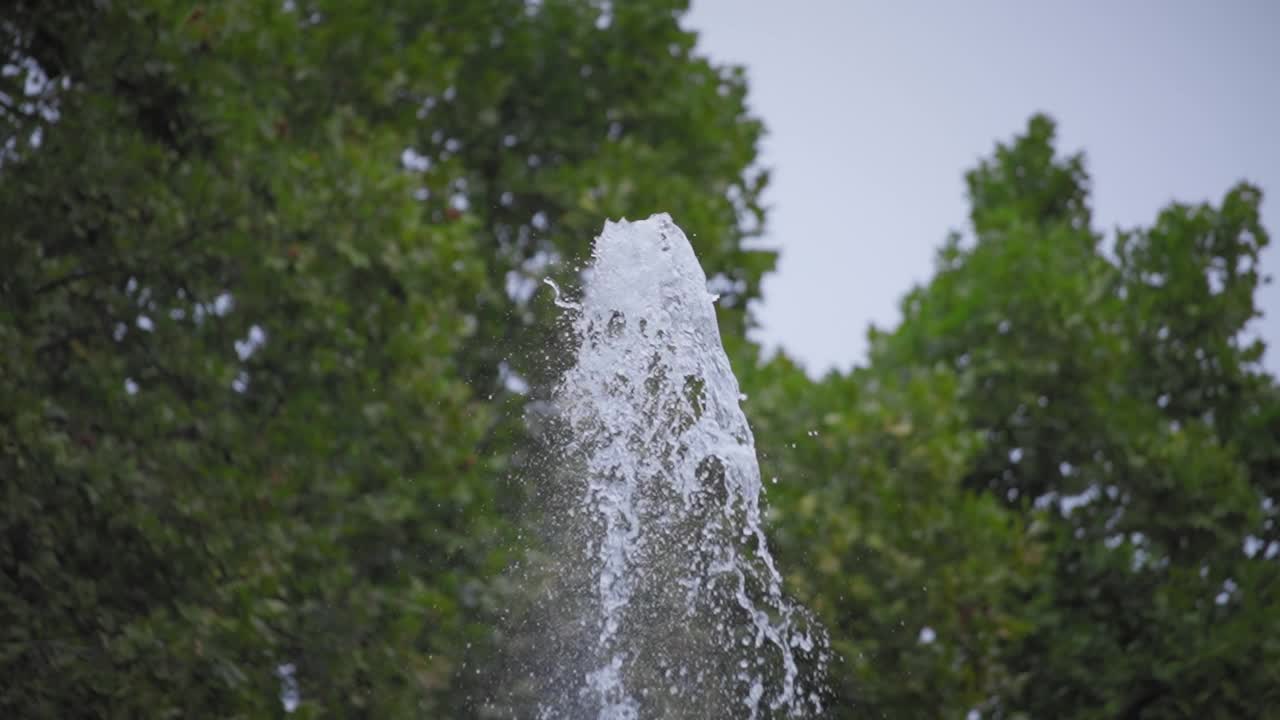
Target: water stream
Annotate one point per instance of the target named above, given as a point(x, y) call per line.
point(669, 603)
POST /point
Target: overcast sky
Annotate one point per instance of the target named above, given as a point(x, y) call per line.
point(875, 109)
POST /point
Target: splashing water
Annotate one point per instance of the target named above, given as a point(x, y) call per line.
point(671, 604)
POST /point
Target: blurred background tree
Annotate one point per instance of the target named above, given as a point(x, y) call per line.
point(1051, 492)
point(270, 314)
point(265, 264)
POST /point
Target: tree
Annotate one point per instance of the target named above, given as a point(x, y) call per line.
point(1121, 397)
point(1109, 416)
point(225, 458)
point(264, 262)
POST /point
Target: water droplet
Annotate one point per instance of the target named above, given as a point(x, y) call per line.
point(560, 303)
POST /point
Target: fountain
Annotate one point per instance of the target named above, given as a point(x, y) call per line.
point(658, 594)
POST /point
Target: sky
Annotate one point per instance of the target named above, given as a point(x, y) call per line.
point(876, 109)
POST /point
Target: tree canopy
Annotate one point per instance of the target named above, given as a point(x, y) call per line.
point(1051, 491)
point(269, 315)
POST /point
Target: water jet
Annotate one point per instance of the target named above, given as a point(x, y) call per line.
point(661, 598)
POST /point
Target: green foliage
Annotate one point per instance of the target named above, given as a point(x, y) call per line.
point(1103, 489)
point(880, 537)
point(257, 366)
point(187, 512)
point(249, 347)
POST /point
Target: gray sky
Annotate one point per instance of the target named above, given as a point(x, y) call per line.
point(875, 109)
